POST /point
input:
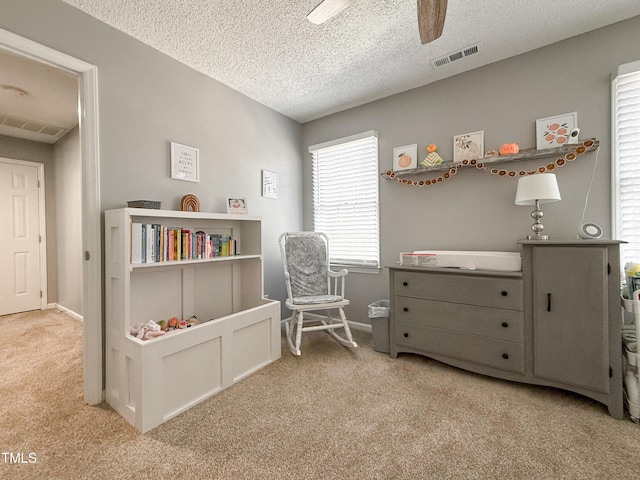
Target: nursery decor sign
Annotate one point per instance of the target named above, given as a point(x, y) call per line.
point(185, 163)
point(468, 146)
point(270, 184)
point(405, 157)
point(553, 132)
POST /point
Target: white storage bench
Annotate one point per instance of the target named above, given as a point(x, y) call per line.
point(150, 381)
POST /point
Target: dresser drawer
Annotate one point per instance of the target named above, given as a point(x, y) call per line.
point(491, 352)
point(486, 321)
point(489, 291)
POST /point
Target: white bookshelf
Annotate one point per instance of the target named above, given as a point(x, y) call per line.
point(150, 381)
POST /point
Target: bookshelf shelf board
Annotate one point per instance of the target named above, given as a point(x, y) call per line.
point(171, 263)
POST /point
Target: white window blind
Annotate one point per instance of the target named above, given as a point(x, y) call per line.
point(345, 199)
point(626, 160)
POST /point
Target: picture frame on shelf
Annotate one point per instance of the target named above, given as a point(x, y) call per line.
point(405, 157)
point(270, 184)
point(553, 132)
point(468, 146)
point(185, 162)
point(237, 205)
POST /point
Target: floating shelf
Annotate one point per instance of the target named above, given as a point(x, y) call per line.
point(528, 154)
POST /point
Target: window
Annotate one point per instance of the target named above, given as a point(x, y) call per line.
point(626, 160)
point(345, 199)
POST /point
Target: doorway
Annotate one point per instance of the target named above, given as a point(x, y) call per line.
point(91, 245)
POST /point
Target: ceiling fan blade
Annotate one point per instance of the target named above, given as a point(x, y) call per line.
point(431, 15)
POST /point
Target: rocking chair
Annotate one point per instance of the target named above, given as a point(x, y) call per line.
point(312, 286)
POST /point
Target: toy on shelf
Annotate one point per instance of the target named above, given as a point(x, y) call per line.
point(432, 158)
point(491, 153)
point(509, 149)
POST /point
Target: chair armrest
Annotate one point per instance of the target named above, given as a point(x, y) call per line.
point(342, 273)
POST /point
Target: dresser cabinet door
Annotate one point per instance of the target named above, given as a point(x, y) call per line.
point(570, 317)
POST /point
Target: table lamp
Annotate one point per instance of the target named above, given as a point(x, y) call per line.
point(534, 190)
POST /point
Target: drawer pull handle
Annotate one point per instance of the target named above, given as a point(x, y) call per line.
point(505, 324)
point(406, 309)
point(505, 356)
point(405, 283)
point(504, 293)
point(548, 302)
point(405, 334)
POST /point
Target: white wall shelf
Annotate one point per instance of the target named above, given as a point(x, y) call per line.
point(528, 154)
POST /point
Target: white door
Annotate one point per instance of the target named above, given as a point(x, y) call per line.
point(20, 272)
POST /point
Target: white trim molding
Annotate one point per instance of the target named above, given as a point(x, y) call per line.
point(92, 269)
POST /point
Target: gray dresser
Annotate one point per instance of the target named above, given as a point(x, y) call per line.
point(556, 323)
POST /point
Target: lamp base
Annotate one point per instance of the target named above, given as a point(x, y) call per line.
point(538, 237)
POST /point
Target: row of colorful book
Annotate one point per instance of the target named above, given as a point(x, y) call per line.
point(151, 243)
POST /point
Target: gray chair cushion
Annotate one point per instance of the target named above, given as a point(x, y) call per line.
point(308, 265)
point(315, 299)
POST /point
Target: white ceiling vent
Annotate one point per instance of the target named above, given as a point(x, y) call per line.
point(30, 130)
point(457, 55)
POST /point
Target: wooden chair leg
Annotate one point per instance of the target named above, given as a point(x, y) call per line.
point(299, 332)
point(347, 330)
point(291, 326)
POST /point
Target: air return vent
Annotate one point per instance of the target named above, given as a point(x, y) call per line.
point(50, 132)
point(457, 55)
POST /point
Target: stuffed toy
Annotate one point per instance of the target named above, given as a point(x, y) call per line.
point(146, 331)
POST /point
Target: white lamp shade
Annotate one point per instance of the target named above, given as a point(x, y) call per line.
point(542, 187)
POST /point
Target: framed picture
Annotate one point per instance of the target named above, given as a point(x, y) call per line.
point(269, 184)
point(405, 157)
point(468, 146)
point(237, 206)
point(553, 132)
point(185, 163)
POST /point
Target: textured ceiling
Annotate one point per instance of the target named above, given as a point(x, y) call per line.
point(271, 53)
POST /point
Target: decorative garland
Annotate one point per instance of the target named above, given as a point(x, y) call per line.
point(560, 162)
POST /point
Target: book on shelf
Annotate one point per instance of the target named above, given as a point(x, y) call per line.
point(154, 243)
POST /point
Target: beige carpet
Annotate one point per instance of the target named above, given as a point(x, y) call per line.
point(332, 413)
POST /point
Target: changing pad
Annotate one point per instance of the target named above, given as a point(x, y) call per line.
point(471, 260)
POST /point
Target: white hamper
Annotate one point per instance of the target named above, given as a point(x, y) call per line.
point(379, 316)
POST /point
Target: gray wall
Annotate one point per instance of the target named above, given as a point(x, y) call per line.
point(475, 210)
point(68, 174)
point(19, 149)
point(147, 100)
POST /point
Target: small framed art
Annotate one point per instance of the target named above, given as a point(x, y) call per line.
point(269, 184)
point(185, 163)
point(237, 206)
point(405, 157)
point(553, 132)
point(468, 146)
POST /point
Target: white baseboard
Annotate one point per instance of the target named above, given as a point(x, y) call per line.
point(364, 327)
point(71, 313)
